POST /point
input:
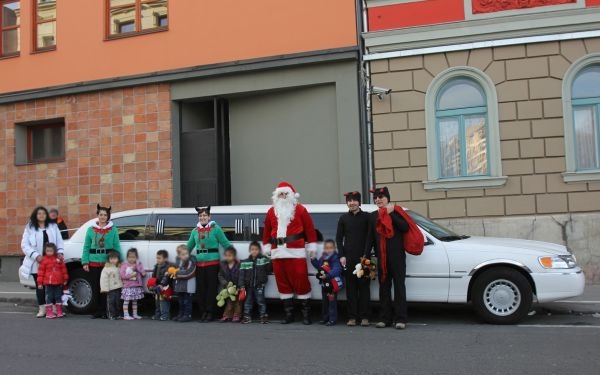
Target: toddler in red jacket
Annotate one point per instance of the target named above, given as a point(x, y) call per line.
point(52, 277)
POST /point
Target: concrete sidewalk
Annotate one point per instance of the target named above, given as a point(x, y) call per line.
point(587, 303)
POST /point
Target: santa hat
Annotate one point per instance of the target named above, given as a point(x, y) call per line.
point(286, 187)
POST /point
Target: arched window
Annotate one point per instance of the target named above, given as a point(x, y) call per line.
point(462, 131)
point(581, 95)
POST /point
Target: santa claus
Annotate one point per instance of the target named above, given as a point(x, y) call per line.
point(289, 233)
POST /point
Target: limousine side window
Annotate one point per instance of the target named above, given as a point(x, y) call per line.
point(325, 224)
point(131, 228)
point(177, 227)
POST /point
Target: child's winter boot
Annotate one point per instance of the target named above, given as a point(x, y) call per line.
point(49, 312)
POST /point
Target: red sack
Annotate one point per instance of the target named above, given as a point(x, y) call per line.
point(242, 295)
point(414, 241)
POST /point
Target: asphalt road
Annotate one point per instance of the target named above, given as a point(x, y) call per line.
point(440, 340)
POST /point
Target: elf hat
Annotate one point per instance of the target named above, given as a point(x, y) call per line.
point(381, 191)
point(353, 195)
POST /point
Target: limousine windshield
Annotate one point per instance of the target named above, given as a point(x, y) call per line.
point(436, 230)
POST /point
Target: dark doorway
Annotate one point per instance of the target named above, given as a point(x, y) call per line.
point(205, 165)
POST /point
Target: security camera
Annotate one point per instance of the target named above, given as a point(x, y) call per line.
point(380, 91)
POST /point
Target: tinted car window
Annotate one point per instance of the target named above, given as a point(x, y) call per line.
point(177, 227)
point(325, 224)
point(131, 228)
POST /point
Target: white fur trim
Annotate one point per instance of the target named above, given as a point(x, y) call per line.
point(285, 296)
point(311, 246)
point(267, 248)
point(210, 224)
point(107, 226)
point(304, 296)
point(282, 252)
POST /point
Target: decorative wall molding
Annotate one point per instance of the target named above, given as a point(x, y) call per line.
point(490, 6)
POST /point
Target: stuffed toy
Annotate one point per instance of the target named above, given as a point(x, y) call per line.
point(151, 283)
point(130, 273)
point(229, 292)
point(242, 295)
point(172, 271)
point(66, 297)
point(366, 268)
point(333, 285)
point(358, 270)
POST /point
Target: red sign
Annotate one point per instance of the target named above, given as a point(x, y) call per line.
point(490, 6)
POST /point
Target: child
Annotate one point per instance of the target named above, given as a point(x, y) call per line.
point(132, 274)
point(329, 271)
point(111, 284)
point(185, 283)
point(229, 271)
point(52, 276)
point(162, 306)
point(254, 274)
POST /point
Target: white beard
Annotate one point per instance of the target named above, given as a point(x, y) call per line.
point(284, 211)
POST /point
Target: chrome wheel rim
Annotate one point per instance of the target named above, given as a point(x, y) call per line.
point(81, 293)
point(502, 297)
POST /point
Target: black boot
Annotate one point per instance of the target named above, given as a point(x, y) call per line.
point(288, 309)
point(306, 312)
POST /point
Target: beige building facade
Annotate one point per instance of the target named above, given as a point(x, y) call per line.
point(498, 140)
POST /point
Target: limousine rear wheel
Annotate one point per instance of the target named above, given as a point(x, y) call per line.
point(502, 295)
point(81, 292)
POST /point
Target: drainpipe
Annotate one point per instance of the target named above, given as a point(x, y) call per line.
point(364, 83)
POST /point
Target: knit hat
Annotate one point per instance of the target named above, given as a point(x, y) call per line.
point(381, 191)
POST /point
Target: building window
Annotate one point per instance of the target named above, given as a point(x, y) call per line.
point(129, 17)
point(581, 95)
point(40, 142)
point(44, 32)
point(463, 144)
point(10, 19)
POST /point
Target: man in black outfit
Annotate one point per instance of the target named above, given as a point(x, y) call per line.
point(389, 248)
point(351, 238)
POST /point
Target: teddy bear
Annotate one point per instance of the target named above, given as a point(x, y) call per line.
point(229, 292)
point(366, 268)
point(358, 270)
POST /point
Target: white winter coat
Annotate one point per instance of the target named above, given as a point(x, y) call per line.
point(32, 243)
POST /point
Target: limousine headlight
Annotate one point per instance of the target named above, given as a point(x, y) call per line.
point(558, 262)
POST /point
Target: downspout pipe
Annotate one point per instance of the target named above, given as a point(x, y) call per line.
point(364, 82)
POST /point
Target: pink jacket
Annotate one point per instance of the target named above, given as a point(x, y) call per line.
point(132, 281)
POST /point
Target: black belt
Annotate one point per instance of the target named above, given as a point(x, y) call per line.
point(100, 251)
point(280, 241)
point(207, 251)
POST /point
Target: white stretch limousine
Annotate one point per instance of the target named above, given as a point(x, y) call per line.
point(500, 276)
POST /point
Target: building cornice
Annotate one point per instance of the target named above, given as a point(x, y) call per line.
point(482, 30)
point(244, 66)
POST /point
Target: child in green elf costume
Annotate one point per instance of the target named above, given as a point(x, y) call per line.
point(204, 241)
point(100, 239)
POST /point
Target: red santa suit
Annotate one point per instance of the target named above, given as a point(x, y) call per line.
point(288, 234)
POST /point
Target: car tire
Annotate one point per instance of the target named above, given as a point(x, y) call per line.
point(501, 295)
point(82, 295)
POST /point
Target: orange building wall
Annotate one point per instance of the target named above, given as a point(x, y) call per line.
point(200, 32)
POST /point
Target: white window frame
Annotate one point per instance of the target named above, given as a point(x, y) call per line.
point(572, 174)
point(495, 177)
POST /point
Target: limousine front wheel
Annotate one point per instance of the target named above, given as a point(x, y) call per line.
point(502, 295)
point(81, 292)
